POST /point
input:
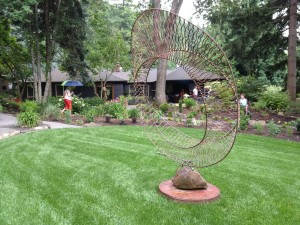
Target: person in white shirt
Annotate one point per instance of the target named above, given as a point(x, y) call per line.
point(68, 96)
point(195, 92)
point(244, 103)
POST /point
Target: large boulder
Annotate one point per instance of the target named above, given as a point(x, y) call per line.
point(188, 179)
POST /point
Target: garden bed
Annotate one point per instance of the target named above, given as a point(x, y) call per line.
point(284, 132)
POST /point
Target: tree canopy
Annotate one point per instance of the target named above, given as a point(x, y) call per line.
point(254, 35)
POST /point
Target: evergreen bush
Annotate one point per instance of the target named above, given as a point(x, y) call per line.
point(251, 86)
point(164, 107)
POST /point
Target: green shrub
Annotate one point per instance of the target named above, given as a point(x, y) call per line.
point(56, 101)
point(123, 100)
point(189, 122)
point(90, 115)
point(293, 107)
point(192, 115)
point(95, 101)
point(273, 128)
point(244, 120)
point(68, 118)
point(259, 128)
point(51, 111)
point(164, 107)
point(106, 108)
point(289, 131)
point(11, 106)
point(116, 109)
point(99, 110)
point(1, 108)
point(133, 113)
point(251, 86)
point(28, 119)
point(224, 92)
point(273, 98)
point(29, 106)
point(189, 103)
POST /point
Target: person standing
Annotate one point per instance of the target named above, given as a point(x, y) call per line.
point(68, 96)
point(244, 103)
point(195, 92)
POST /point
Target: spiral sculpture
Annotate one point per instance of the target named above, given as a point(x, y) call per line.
point(160, 34)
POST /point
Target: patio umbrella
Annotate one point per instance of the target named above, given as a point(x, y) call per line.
point(73, 83)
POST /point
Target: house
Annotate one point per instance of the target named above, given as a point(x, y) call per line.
point(119, 83)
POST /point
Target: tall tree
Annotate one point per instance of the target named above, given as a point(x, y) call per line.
point(108, 41)
point(14, 58)
point(292, 68)
point(160, 95)
point(253, 34)
point(47, 26)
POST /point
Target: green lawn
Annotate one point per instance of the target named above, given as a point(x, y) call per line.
point(110, 175)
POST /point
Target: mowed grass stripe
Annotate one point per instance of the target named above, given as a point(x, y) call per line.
point(109, 175)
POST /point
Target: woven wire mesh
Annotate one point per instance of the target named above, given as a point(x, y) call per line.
point(160, 34)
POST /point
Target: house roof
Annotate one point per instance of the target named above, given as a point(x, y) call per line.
point(181, 74)
point(57, 76)
point(172, 75)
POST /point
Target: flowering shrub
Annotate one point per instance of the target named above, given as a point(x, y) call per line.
point(78, 104)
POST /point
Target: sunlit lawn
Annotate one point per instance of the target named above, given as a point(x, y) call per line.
point(110, 175)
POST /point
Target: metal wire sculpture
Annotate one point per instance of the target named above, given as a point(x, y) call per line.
point(160, 34)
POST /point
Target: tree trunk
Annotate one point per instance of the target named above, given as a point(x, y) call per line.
point(47, 91)
point(38, 56)
point(22, 89)
point(35, 80)
point(160, 94)
point(95, 89)
point(291, 79)
point(176, 5)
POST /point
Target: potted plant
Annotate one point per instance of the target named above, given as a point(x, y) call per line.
point(133, 114)
point(108, 118)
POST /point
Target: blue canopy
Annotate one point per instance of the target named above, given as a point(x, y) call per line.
point(72, 83)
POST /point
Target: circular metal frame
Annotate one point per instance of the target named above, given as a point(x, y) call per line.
point(159, 34)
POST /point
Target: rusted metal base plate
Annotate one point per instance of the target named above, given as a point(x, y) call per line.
point(210, 194)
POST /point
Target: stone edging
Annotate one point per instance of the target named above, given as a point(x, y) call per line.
point(19, 131)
